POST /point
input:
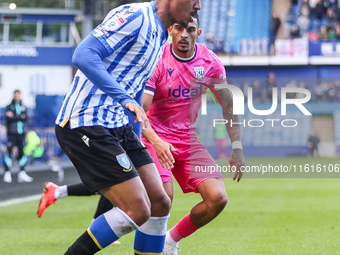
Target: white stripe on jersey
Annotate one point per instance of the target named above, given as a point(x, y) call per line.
point(134, 36)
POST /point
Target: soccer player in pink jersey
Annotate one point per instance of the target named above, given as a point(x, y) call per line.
point(172, 104)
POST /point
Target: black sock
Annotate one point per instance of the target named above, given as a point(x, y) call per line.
point(78, 189)
point(84, 245)
point(104, 205)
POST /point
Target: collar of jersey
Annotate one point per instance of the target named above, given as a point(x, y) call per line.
point(185, 60)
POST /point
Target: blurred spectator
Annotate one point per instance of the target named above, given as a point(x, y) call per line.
point(16, 118)
point(337, 32)
point(318, 95)
point(337, 13)
point(331, 4)
point(275, 24)
point(323, 34)
point(331, 92)
point(289, 21)
point(305, 9)
point(303, 22)
point(295, 9)
point(291, 84)
point(338, 96)
point(257, 93)
point(330, 17)
point(34, 148)
point(313, 35)
point(294, 32)
point(337, 85)
point(302, 85)
point(218, 45)
point(312, 3)
point(331, 33)
point(313, 143)
point(209, 41)
point(270, 86)
point(320, 10)
point(245, 87)
point(318, 15)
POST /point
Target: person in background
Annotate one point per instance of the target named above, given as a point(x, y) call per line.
point(16, 118)
point(275, 24)
point(331, 33)
point(323, 34)
point(34, 147)
point(289, 21)
point(304, 23)
point(313, 143)
point(294, 32)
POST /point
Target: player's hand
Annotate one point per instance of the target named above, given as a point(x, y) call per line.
point(163, 151)
point(237, 161)
point(140, 114)
point(9, 114)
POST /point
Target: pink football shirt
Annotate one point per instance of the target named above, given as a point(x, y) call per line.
point(177, 86)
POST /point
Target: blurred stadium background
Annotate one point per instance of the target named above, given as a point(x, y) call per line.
point(37, 39)
point(262, 43)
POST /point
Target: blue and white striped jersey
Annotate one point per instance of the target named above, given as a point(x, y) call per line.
point(134, 36)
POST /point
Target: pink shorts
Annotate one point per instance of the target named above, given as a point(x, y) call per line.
point(193, 163)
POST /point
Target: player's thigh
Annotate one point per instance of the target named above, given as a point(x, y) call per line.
point(97, 155)
point(213, 190)
point(145, 166)
point(152, 182)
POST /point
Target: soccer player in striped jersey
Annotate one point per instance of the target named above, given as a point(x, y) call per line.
point(172, 99)
point(115, 61)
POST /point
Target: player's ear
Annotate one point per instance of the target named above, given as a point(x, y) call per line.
point(199, 31)
point(170, 30)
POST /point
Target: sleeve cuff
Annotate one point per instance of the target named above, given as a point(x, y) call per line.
point(123, 102)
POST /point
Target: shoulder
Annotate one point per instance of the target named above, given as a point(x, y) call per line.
point(206, 53)
point(209, 57)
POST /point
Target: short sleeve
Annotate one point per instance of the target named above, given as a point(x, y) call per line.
point(219, 72)
point(152, 83)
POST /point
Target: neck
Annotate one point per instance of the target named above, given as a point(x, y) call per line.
point(162, 10)
point(184, 56)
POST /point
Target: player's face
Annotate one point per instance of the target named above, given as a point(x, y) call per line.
point(17, 96)
point(183, 10)
point(183, 39)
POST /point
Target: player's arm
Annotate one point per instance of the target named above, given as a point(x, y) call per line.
point(88, 58)
point(236, 158)
point(163, 148)
point(11, 117)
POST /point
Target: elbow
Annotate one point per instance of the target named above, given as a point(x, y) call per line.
point(76, 59)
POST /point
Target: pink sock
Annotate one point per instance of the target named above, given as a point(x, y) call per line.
point(183, 228)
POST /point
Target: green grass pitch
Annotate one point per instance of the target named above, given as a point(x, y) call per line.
point(263, 216)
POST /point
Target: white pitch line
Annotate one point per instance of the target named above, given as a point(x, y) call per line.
point(19, 200)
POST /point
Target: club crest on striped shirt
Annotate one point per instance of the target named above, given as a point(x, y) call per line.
point(199, 72)
point(123, 160)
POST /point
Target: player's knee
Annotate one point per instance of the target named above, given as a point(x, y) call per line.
point(139, 211)
point(166, 204)
point(161, 206)
point(219, 201)
point(142, 214)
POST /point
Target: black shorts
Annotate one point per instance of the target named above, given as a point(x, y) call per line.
point(103, 157)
